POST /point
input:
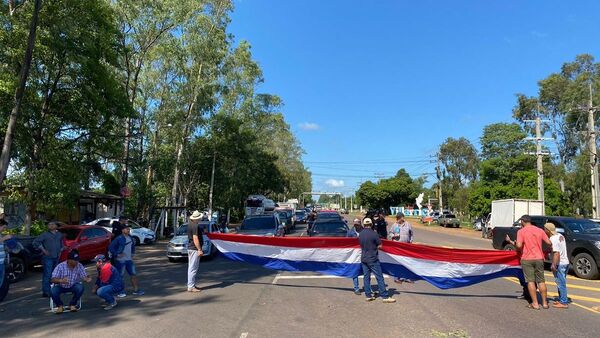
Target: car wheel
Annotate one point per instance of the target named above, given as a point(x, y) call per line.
point(585, 266)
point(137, 241)
point(18, 269)
point(509, 247)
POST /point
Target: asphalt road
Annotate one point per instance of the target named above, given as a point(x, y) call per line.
point(242, 300)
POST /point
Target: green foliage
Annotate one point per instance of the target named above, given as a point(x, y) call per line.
point(395, 191)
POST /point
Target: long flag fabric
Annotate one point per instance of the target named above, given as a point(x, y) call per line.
point(443, 267)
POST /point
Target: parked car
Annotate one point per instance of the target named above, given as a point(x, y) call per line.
point(22, 257)
point(140, 234)
point(449, 220)
point(178, 245)
point(89, 240)
point(301, 216)
point(4, 281)
point(582, 237)
point(481, 222)
point(261, 225)
point(329, 228)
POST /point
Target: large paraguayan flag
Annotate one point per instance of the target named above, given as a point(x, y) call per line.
point(443, 267)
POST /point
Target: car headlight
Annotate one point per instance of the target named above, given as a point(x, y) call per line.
point(597, 244)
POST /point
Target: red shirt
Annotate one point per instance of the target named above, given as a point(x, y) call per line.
point(531, 237)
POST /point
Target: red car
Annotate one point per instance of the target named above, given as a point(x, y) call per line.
point(89, 240)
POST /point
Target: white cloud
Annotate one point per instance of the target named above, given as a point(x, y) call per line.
point(334, 183)
point(309, 126)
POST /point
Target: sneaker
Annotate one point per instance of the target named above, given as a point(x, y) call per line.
point(194, 289)
point(370, 299)
point(389, 300)
point(73, 308)
point(122, 295)
point(138, 292)
point(59, 310)
point(357, 292)
point(110, 306)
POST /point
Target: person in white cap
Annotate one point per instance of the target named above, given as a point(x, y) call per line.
point(370, 243)
point(195, 243)
point(560, 265)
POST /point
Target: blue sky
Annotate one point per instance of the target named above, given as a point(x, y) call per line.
point(374, 86)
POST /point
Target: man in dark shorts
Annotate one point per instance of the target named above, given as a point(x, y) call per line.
point(529, 243)
point(370, 243)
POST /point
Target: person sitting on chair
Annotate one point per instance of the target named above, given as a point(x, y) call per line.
point(67, 278)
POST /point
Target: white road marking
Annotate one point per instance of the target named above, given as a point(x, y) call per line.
point(280, 277)
point(276, 278)
point(244, 335)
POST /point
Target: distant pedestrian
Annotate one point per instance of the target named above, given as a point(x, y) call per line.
point(370, 243)
point(117, 227)
point(560, 265)
point(67, 278)
point(401, 231)
point(354, 232)
point(381, 225)
point(122, 250)
point(109, 282)
point(51, 243)
point(195, 243)
point(529, 243)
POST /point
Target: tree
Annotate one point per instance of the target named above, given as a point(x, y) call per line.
point(503, 140)
point(19, 92)
point(459, 167)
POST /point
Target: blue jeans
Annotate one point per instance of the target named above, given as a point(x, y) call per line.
point(107, 293)
point(375, 268)
point(1, 273)
point(76, 289)
point(560, 275)
point(48, 264)
point(355, 282)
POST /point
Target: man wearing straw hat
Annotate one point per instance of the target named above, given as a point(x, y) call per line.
point(560, 264)
point(195, 243)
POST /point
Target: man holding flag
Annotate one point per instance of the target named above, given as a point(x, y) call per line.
point(370, 243)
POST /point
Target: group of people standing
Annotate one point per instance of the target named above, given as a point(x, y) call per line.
point(370, 233)
point(529, 241)
point(68, 276)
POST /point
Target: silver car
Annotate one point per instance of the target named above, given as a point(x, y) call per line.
point(178, 245)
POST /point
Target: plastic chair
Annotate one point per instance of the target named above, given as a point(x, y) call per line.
point(66, 308)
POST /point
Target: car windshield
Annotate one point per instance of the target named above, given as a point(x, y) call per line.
point(585, 226)
point(70, 234)
point(258, 223)
point(282, 216)
point(330, 227)
point(182, 230)
point(300, 213)
point(329, 215)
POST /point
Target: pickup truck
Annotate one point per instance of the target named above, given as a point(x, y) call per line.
point(447, 220)
point(582, 236)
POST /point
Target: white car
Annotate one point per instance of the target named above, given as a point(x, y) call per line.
point(139, 234)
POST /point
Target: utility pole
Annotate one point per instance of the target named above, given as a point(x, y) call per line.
point(593, 157)
point(212, 183)
point(439, 185)
point(540, 158)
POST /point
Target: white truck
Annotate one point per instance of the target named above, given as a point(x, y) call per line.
point(507, 212)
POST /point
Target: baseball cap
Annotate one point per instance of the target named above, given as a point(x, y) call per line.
point(367, 221)
point(525, 218)
point(99, 258)
point(550, 227)
point(74, 255)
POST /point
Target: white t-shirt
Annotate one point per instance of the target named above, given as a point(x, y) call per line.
point(560, 245)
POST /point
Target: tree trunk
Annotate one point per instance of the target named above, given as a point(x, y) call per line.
point(14, 114)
